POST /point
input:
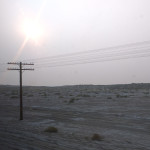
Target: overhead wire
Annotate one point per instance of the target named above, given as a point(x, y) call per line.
point(88, 51)
point(93, 55)
point(94, 61)
point(138, 51)
point(131, 50)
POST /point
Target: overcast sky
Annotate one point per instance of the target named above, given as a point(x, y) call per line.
point(70, 26)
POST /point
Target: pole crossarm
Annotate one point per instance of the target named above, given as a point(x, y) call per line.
point(31, 69)
point(17, 63)
point(20, 64)
point(13, 63)
point(27, 63)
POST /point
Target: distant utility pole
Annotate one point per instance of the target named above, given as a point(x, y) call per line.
point(20, 69)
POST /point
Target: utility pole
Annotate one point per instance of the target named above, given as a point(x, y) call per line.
point(20, 69)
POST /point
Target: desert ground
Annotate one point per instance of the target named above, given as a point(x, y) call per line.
point(119, 114)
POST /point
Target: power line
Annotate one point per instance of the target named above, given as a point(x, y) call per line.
point(97, 57)
point(91, 51)
point(141, 51)
point(130, 50)
point(127, 51)
point(94, 61)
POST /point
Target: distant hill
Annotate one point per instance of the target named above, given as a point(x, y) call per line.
point(115, 86)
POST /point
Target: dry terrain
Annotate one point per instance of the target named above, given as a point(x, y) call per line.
point(119, 114)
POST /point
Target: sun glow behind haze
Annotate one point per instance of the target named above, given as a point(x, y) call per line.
point(32, 30)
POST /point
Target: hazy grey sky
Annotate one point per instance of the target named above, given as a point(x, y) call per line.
point(68, 26)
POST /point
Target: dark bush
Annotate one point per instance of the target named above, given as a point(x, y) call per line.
point(51, 129)
point(71, 100)
point(97, 137)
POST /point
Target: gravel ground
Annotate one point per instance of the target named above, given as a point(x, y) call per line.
point(120, 114)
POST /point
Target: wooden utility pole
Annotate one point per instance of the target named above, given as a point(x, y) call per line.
point(20, 69)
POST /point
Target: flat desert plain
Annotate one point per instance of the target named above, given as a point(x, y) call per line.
point(118, 114)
